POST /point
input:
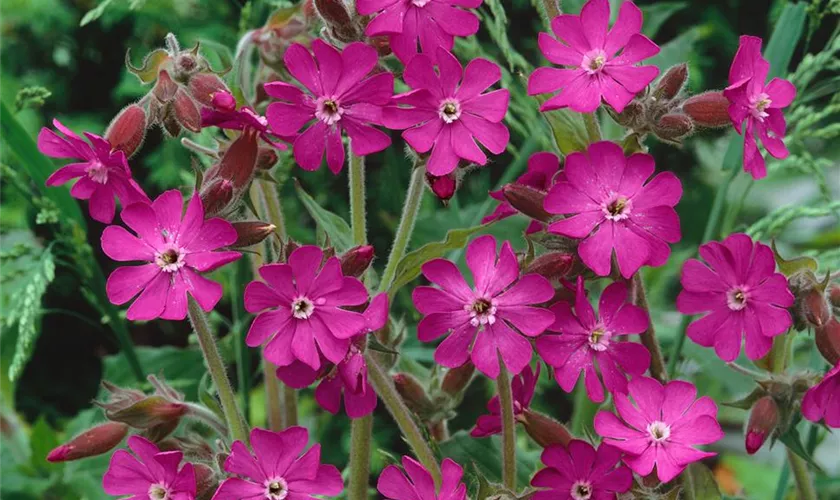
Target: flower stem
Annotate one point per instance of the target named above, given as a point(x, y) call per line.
point(272, 207)
point(508, 427)
point(648, 337)
point(216, 367)
point(583, 411)
point(202, 414)
point(406, 226)
point(356, 178)
point(290, 406)
point(384, 387)
point(746, 371)
point(804, 481)
point(361, 430)
point(275, 414)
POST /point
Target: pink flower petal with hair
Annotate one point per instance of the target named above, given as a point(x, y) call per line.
point(148, 472)
point(822, 401)
point(414, 482)
point(579, 472)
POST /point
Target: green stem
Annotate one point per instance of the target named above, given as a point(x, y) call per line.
point(243, 353)
point(384, 387)
point(552, 10)
point(273, 208)
point(406, 226)
point(508, 427)
point(275, 414)
point(648, 337)
point(583, 411)
point(216, 367)
point(356, 178)
point(804, 481)
point(782, 485)
point(202, 414)
point(593, 130)
point(290, 406)
point(361, 430)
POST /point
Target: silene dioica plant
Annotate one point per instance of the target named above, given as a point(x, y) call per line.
point(333, 77)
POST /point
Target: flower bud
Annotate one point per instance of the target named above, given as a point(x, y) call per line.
point(443, 187)
point(216, 197)
point(224, 101)
point(288, 248)
point(204, 86)
point(186, 111)
point(543, 429)
point(206, 480)
point(95, 441)
point(834, 295)
point(413, 394)
point(127, 130)
point(266, 158)
point(552, 265)
point(239, 161)
point(671, 82)
point(673, 127)
point(165, 88)
point(828, 341)
point(709, 109)
point(458, 379)
point(356, 261)
point(815, 308)
point(632, 116)
point(527, 200)
point(764, 417)
point(249, 233)
point(382, 44)
point(147, 413)
point(338, 20)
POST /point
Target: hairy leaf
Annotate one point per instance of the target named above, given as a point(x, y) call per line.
point(339, 232)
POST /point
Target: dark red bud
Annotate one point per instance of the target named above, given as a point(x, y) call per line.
point(834, 295)
point(527, 200)
point(382, 44)
point(458, 379)
point(288, 248)
point(709, 109)
point(127, 130)
point(148, 412)
point(240, 159)
point(815, 308)
point(95, 441)
point(412, 393)
point(216, 197)
point(631, 116)
point(671, 82)
point(186, 111)
point(553, 265)
point(338, 19)
point(165, 88)
point(170, 122)
point(206, 480)
point(672, 127)
point(443, 187)
point(544, 430)
point(356, 261)
point(828, 341)
point(204, 86)
point(266, 158)
point(249, 233)
point(764, 417)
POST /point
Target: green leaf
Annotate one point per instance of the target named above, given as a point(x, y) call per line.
point(95, 13)
point(656, 14)
point(785, 37)
point(699, 483)
point(181, 368)
point(42, 440)
point(25, 310)
point(677, 50)
point(485, 454)
point(793, 441)
point(409, 267)
point(568, 130)
point(336, 228)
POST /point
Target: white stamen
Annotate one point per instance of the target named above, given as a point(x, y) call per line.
point(450, 110)
point(302, 308)
point(170, 260)
point(659, 431)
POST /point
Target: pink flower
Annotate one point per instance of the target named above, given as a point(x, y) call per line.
point(306, 318)
point(594, 69)
point(542, 171)
point(759, 104)
point(522, 387)
point(662, 428)
point(446, 112)
point(149, 473)
point(225, 117)
point(176, 251)
point(416, 483)
point(103, 172)
point(581, 473)
point(611, 208)
point(279, 468)
point(587, 341)
point(743, 294)
point(822, 402)
point(481, 321)
point(431, 23)
point(337, 100)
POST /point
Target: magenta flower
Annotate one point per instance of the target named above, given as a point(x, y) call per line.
point(103, 172)
point(225, 117)
point(743, 294)
point(306, 318)
point(822, 402)
point(431, 23)
point(609, 205)
point(416, 483)
point(587, 341)
point(493, 318)
point(338, 99)
point(594, 70)
point(176, 250)
point(446, 112)
point(662, 428)
point(581, 473)
point(149, 473)
point(522, 387)
point(542, 171)
point(278, 469)
point(759, 104)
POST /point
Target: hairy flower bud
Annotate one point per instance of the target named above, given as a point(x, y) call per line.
point(94, 441)
point(205, 86)
point(206, 480)
point(543, 429)
point(142, 411)
point(458, 379)
point(632, 116)
point(127, 130)
point(834, 295)
point(811, 307)
point(249, 233)
point(413, 394)
point(338, 20)
point(186, 111)
point(671, 82)
point(827, 338)
point(552, 265)
point(673, 127)
point(815, 308)
point(239, 161)
point(216, 197)
point(709, 109)
point(764, 417)
point(266, 158)
point(527, 200)
point(443, 187)
point(165, 88)
point(224, 101)
point(355, 262)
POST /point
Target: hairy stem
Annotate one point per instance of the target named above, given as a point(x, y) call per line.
point(648, 337)
point(290, 406)
point(552, 9)
point(274, 412)
point(384, 387)
point(202, 414)
point(804, 481)
point(406, 226)
point(361, 430)
point(216, 367)
point(356, 178)
point(508, 427)
point(272, 208)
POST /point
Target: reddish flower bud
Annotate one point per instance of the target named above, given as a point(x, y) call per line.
point(95, 441)
point(553, 265)
point(224, 101)
point(815, 308)
point(632, 116)
point(764, 417)
point(382, 44)
point(709, 109)
point(338, 19)
point(671, 82)
point(834, 295)
point(206, 480)
point(673, 127)
point(170, 122)
point(165, 88)
point(186, 111)
point(127, 130)
point(216, 197)
point(147, 413)
point(828, 341)
point(356, 261)
point(249, 233)
point(413, 394)
point(443, 187)
point(527, 200)
point(240, 159)
point(288, 248)
point(458, 379)
point(204, 86)
point(543, 429)
point(266, 158)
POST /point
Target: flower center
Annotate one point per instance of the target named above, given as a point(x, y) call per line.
point(758, 103)
point(593, 61)
point(276, 489)
point(736, 298)
point(158, 492)
point(659, 431)
point(302, 308)
point(450, 110)
point(420, 3)
point(98, 172)
point(599, 339)
point(482, 312)
point(581, 490)
point(170, 260)
point(616, 207)
point(328, 110)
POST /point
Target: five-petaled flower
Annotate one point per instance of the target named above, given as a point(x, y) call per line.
point(417, 484)
point(446, 112)
point(611, 208)
point(338, 99)
point(579, 472)
point(587, 341)
point(176, 250)
point(522, 388)
point(594, 70)
point(759, 104)
point(543, 169)
point(431, 23)
point(149, 473)
point(491, 319)
point(743, 294)
point(822, 402)
point(662, 428)
point(278, 469)
point(103, 171)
